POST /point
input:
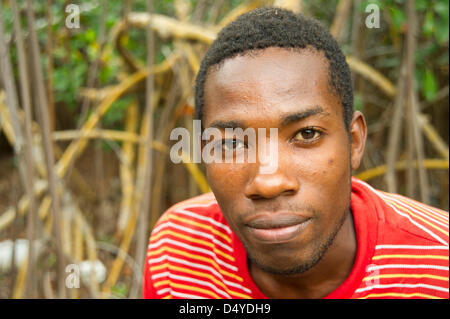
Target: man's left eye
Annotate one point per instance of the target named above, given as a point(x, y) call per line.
point(307, 135)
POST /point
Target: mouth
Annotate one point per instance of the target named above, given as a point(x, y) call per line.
point(277, 227)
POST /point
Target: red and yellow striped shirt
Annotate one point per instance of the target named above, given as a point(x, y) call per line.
point(402, 251)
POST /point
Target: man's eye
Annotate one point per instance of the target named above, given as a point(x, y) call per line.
point(232, 144)
point(307, 135)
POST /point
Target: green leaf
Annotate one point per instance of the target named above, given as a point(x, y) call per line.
point(90, 36)
point(442, 32)
point(421, 5)
point(120, 290)
point(429, 85)
point(117, 112)
point(428, 24)
point(441, 8)
point(398, 18)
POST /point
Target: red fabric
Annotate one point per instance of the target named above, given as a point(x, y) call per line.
point(402, 251)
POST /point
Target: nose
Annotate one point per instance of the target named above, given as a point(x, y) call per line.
point(267, 186)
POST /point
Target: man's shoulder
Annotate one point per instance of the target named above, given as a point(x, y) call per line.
point(191, 254)
point(402, 219)
point(202, 205)
point(410, 249)
point(416, 221)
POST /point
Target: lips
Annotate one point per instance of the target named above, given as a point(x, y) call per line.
point(276, 227)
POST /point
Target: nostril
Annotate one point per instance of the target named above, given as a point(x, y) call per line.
point(255, 197)
point(262, 196)
point(289, 192)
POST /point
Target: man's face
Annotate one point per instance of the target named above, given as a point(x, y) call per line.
point(288, 218)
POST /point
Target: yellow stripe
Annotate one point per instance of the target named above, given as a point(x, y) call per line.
point(406, 201)
point(167, 297)
point(410, 256)
point(193, 288)
point(156, 268)
point(211, 229)
point(418, 217)
point(164, 218)
point(205, 259)
point(411, 203)
point(162, 282)
point(204, 275)
point(395, 294)
point(210, 277)
point(194, 240)
point(407, 276)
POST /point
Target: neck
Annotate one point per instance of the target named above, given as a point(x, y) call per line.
point(320, 280)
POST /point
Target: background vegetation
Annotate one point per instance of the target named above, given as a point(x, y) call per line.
point(84, 180)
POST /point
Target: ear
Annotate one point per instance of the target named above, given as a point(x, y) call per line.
point(358, 132)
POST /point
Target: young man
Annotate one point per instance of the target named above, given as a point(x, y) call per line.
point(307, 229)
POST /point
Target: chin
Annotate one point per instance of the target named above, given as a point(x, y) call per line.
point(288, 270)
point(293, 264)
point(285, 265)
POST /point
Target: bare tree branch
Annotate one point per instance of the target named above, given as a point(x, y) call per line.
point(48, 146)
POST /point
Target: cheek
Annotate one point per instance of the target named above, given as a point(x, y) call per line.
point(226, 180)
point(327, 164)
point(324, 174)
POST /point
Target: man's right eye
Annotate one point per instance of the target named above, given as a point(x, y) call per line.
point(232, 144)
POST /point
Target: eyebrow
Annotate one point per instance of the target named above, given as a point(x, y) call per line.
point(227, 124)
point(298, 116)
point(286, 120)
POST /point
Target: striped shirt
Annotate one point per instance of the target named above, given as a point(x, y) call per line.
point(402, 251)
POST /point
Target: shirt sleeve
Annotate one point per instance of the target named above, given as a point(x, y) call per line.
point(148, 290)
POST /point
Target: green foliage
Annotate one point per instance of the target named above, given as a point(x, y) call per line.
point(433, 37)
point(120, 290)
point(434, 30)
point(116, 112)
point(398, 17)
point(429, 85)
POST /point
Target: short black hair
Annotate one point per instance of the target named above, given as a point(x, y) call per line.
point(275, 27)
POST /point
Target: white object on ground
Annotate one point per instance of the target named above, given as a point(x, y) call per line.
point(20, 252)
point(97, 267)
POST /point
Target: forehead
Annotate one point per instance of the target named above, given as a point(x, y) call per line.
point(268, 83)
